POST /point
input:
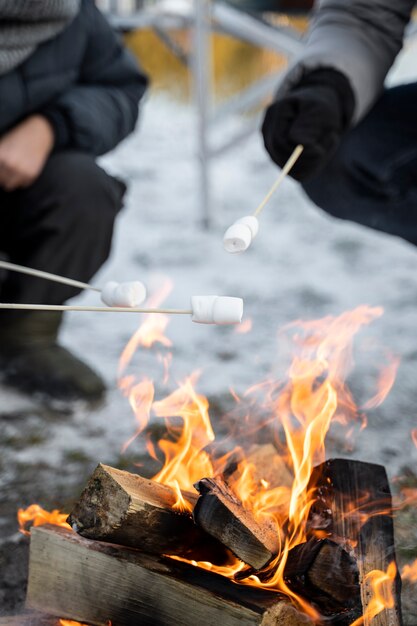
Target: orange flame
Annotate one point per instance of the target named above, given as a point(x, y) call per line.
point(409, 572)
point(244, 327)
point(38, 516)
point(381, 584)
point(386, 380)
point(183, 447)
point(69, 622)
point(303, 407)
point(151, 330)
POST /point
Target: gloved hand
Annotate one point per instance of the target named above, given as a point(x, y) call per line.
point(314, 113)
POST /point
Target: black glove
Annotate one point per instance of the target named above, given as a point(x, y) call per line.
point(314, 113)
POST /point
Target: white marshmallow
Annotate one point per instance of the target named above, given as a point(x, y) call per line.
point(216, 310)
point(227, 310)
point(202, 308)
point(129, 294)
point(252, 222)
point(237, 238)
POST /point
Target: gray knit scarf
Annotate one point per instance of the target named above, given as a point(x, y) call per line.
point(24, 24)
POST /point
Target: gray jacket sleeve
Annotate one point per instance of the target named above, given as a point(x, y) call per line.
point(360, 38)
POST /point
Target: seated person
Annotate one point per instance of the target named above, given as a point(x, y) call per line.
point(69, 91)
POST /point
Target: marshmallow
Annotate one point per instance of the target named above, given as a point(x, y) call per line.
point(251, 222)
point(216, 310)
point(238, 237)
point(129, 294)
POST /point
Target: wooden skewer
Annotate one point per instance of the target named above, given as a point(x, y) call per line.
point(101, 309)
point(284, 172)
point(13, 267)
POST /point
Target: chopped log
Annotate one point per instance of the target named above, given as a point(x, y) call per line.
point(91, 581)
point(323, 572)
point(223, 516)
point(125, 508)
point(354, 507)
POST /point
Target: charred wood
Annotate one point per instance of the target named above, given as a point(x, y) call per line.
point(323, 572)
point(223, 516)
point(353, 507)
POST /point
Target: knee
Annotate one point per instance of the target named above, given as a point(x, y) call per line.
point(332, 188)
point(84, 189)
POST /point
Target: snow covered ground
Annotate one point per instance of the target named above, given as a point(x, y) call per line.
point(302, 265)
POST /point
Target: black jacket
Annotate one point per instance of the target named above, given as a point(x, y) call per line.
point(84, 81)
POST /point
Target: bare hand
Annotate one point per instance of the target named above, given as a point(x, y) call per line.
point(24, 151)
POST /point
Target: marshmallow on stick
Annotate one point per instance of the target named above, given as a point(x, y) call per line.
point(240, 235)
point(128, 294)
point(219, 310)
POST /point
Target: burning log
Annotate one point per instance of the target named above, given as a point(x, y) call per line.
point(223, 516)
point(125, 508)
point(91, 581)
point(322, 571)
point(354, 508)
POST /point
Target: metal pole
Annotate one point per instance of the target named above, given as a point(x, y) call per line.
point(202, 97)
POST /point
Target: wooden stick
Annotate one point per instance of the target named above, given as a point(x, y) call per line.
point(21, 269)
point(100, 309)
point(284, 172)
point(90, 581)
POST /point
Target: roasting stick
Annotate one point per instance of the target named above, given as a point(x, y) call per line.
point(105, 309)
point(21, 269)
point(239, 236)
point(114, 294)
point(220, 310)
point(284, 173)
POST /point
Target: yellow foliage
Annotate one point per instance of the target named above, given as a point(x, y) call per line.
point(235, 64)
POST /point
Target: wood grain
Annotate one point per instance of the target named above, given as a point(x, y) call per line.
point(76, 578)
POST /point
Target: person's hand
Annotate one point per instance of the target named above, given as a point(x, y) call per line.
point(24, 151)
point(314, 113)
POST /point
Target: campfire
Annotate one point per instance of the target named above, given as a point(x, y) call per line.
point(262, 531)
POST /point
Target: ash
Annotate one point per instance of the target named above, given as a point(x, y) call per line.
point(303, 264)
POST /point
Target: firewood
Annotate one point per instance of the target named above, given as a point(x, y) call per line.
point(90, 581)
point(347, 493)
point(324, 573)
point(125, 508)
point(223, 516)
point(30, 618)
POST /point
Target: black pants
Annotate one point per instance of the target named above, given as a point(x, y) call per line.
point(372, 179)
point(62, 224)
